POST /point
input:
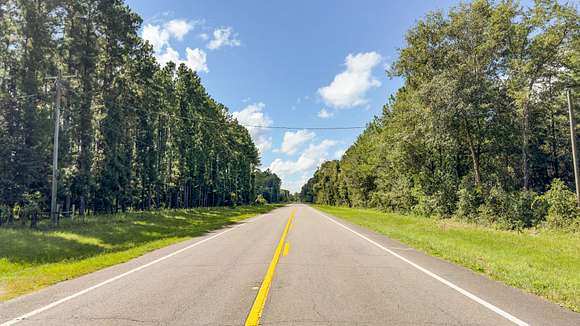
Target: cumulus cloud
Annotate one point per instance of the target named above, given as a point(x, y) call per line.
point(325, 114)
point(195, 59)
point(178, 28)
point(293, 140)
point(223, 37)
point(295, 184)
point(159, 37)
point(309, 160)
point(251, 116)
point(349, 88)
point(169, 55)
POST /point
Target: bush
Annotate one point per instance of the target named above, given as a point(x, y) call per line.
point(260, 200)
point(233, 199)
point(495, 206)
point(399, 196)
point(426, 205)
point(469, 200)
point(525, 209)
point(32, 207)
point(4, 214)
point(562, 210)
point(511, 210)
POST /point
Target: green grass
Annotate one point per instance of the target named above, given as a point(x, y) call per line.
point(33, 259)
point(545, 263)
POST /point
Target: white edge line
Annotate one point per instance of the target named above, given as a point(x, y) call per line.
point(466, 293)
point(113, 279)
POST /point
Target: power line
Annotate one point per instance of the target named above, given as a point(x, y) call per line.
point(304, 128)
point(241, 124)
point(250, 126)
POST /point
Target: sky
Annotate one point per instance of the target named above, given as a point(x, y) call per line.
point(297, 63)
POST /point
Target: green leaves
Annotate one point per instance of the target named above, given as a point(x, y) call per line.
point(480, 119)
point(134, 135)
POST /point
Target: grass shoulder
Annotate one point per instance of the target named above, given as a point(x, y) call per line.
point(542, 262)
point(33, 259)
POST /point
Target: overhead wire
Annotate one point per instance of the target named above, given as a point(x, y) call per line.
point(221, 122)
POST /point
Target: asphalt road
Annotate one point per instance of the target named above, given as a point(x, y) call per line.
point(324, 271)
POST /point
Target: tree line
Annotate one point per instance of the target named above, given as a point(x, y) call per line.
point(133, 135)
point(479, 129)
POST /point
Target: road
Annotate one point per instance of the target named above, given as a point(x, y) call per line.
point(307, 267)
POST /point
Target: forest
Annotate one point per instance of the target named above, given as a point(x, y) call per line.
point(480, 128)
point(132, 135)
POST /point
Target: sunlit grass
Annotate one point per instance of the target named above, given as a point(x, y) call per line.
point(546, 263)
point(33, 259)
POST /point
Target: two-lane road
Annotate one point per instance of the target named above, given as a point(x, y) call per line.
point(292, 266)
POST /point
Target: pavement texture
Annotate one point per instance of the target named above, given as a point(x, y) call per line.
point(330, 273)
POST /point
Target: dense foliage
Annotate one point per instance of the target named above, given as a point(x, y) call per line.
point(268, 186)
point(479, 129)
point(134, 135)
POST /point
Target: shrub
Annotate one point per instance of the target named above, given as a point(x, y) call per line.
point(32, 207)
point(260, 200)
point(426, 205)
point(4, 214)
point(494, 206)
point(511, 210)
point(233, 199)
point(562, 209)
point(446, 197)
point(523, 210)
point(469, 200)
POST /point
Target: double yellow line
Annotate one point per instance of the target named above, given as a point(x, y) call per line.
point(258, 306)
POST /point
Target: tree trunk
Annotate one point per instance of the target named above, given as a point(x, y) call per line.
point(475, 158)
point(525, 142)
point(82, 205)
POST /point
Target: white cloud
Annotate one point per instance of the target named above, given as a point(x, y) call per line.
point(159, 37)
point(349, 88)
point(156, 35)
point(309, 160)
point(223, 37)
point(178, 28)
point(325, 114)
point(169, 55)
point(196, 59)
point(204, 36)
point(293, 140)
point(295, 184)
point(252, 116)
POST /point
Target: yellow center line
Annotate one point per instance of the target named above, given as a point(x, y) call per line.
point(286, 249)
point(258, 306)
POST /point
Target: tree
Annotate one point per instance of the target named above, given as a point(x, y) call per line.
point(479, 126)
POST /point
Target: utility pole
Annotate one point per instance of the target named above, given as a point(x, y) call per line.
point(58, 88)
point(53, 209)
point(573, 139)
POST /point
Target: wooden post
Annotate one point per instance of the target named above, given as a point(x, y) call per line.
point(573, 140)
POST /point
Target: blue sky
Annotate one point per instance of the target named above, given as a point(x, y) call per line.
point(289, 63)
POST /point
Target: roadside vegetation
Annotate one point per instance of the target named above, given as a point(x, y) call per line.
point(134, 134)
point(543, 262)
point(31, 259)
point(480, 129)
